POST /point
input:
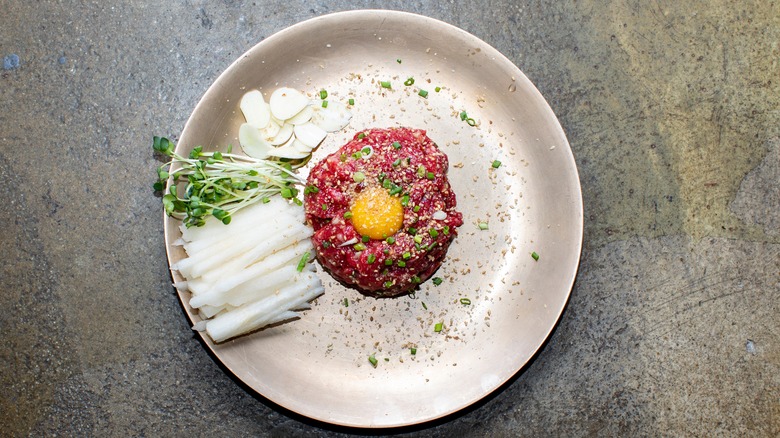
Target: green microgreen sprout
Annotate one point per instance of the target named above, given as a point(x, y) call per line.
point(219, 184)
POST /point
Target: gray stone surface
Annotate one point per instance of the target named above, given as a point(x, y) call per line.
point(671, 109)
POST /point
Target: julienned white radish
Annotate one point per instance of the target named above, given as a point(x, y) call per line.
point(260, 313)
point(250, 251)
point(251, 273)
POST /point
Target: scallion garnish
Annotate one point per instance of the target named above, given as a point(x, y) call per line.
point(302, 262)
point(347, 214)
point(412, 231)
point(437, 89)
point(437, 328)
point(471, 122)
point(370, 259)
point(424, 306)
point(465, 301)
point(396, 145)
point(359, 246)
point(390, 240)
point(401, 264)
point(496, 164)
point(413, 351)
point(387, 284)
point(407, 255)
point(416, 208)
point(418, 239)
point(422, 93)
point(397, 162)
point(535, 256)
point(446, 230)
point(372, 360)
point(358, 177)
point(323, 94)
point(324, 103)
point(365, 239)
point(324, 207)
point(437, 280)
point(433, 233)
point(404, 200)
point(388, 262)
point(351, 101)
point(430, 175)
point(346, 302)
point(385, 84)
point(361, 136)
point(463, 115)
point(409, 82)
point(483, 226)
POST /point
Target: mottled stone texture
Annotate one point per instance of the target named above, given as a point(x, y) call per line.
point(671, 109)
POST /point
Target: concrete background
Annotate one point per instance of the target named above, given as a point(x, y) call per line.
point(671, 109)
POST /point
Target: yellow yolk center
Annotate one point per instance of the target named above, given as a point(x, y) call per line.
point(376, 214)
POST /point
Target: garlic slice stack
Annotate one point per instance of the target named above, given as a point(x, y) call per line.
point(289, 125)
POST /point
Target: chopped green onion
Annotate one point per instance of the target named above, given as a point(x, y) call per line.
point(358, 177)
point(496, 164)
point(424, 306)
point(446, 230)
point(413, 351)
point(421, 171)
point(347, 214)
point(371, 259)
point(351, 101)
point(396, 190)
point(471, 122)
point(366, 150)
point(396, 145)
point(418, 238)
point(302, 262)
point(387, 284)
point(324, 206)
point(398, 60)
point(390, 240)
point(323, 94)
point(266, 200)
point(324, 103)
point(409, 82)
point(405, 200)
point(437, 280)
point(385, 84)
point(465, 301)
point(412, 231)
point(437, 89)
point(397, 162)
point(361, 136)
point(407, 255)
point(422, 93)
point(415, 279)
point(401, 264)
point(416, 208)
point(535, 256)
point(437, 328)
point(346, 302)
point(373, 360)
point(343, 158)
point(326, 244)
point(430, 175)
point(463, 115)
point(359, 246)
point(388, 262)
point(433, 233)
point(483, 226)
point(365, 239)
point(310, 189)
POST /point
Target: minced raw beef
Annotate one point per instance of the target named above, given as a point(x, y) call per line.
point(404, 216)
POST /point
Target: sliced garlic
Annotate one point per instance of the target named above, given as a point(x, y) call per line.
point(286, 102)
point(256, 111)
point(288, 150)
point(310, 134)
point(284, 134)
point(302, 117)
point(252, 142)
point(333, 118)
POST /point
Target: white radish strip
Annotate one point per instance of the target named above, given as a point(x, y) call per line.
point(256, 111)
point(242, 297)
point(237, 265)
point(199, 326)
point(181, 285)
point(284, 316)
point(247, 218)
point(288, 151)
point(259, 227)
point(247, 318)
point(252, 251)
point(270, 263)
point(244, 292)
point(210, 311)
point(228, 249)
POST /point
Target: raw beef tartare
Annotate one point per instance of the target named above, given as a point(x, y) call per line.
point(382, 210)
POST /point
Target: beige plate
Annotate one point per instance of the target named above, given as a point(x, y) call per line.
point(318, 365)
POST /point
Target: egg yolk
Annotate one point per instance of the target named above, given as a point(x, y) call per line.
point(376, 214)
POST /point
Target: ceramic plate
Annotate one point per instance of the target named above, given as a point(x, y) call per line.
point(318, 365)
